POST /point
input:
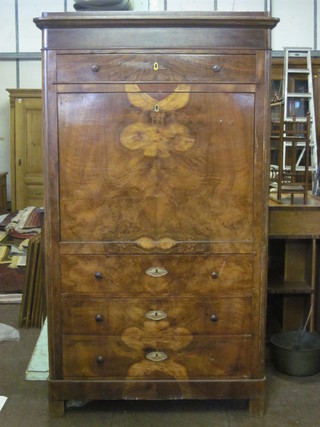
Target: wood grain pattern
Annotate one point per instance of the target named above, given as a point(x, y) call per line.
point(299, 222)
point(156, 196)
point(186, 274)
point(188, 358)
point(156, 158)
point(114, 316)
point(101, 20)
point(171, 68)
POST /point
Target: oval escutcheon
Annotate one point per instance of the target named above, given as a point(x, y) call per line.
point(157, 356)
point(156, 271)
point(156, 315)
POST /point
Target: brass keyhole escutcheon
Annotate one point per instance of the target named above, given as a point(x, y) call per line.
point(156, 108)
point(156, 271)
point(156, 66)
point(156, 315)
point(157, 356)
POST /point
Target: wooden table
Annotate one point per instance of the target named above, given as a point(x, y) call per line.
point(294, 231)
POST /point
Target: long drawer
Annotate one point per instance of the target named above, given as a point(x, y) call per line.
point(156, 274)
point(157, 317)
point(172, 358)
point(95, 68)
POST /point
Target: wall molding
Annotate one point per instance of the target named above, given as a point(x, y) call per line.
point(7, 56)
point(36, 56)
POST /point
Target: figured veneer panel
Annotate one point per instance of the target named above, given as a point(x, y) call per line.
point(113, 316)
point(123, 358)
point(153, 67)
point(191, 274)
point(129, 172)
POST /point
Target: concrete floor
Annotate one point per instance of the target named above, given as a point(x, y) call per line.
point(291, 401)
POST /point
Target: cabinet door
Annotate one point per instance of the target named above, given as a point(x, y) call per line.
point(28, 152)
point(144, 166)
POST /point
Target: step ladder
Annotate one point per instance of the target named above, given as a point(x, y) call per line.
point(298, 100)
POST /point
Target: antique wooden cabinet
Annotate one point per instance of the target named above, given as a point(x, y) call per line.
point(156, 177)
point(26, 148)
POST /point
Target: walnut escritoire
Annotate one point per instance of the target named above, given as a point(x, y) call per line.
point(156, 181)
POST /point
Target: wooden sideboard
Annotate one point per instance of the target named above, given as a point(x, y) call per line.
point(156, 137)
point(26, 148)
point(294, 232)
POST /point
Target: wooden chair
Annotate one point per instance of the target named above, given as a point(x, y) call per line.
point(290, 139)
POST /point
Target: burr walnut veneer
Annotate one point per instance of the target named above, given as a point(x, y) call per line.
point(156, 142)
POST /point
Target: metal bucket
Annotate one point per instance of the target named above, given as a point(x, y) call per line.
point(296, 353)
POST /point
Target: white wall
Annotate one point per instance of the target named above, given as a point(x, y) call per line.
point(298, 22)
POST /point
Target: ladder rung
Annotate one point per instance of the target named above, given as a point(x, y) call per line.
point(288, 143)
point(298, 95)
point(298, 52)
point(298, 55)
point(295, 48)
point(299, 70)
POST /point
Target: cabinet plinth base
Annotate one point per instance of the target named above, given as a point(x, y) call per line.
point(56, 408)
point(252, 390)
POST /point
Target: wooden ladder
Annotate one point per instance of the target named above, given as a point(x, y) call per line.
point(297, 103)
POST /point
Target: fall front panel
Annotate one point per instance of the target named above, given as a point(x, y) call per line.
point(156, 166)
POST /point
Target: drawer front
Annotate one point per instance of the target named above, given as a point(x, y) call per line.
point(84, 68)
point(156, 275)
point(294, 222)
point(172, 358)
point(156, 317)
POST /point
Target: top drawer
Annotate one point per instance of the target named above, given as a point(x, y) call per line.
point(95, 68)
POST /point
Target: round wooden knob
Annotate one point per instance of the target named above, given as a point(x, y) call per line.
point(213, 318)
point(99, 318)
point(100, 359)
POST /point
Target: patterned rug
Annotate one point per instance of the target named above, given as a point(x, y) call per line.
point(15, 229)
point(11, 279)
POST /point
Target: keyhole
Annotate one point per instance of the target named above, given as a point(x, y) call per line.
point(156, 108)
point(156, 66)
